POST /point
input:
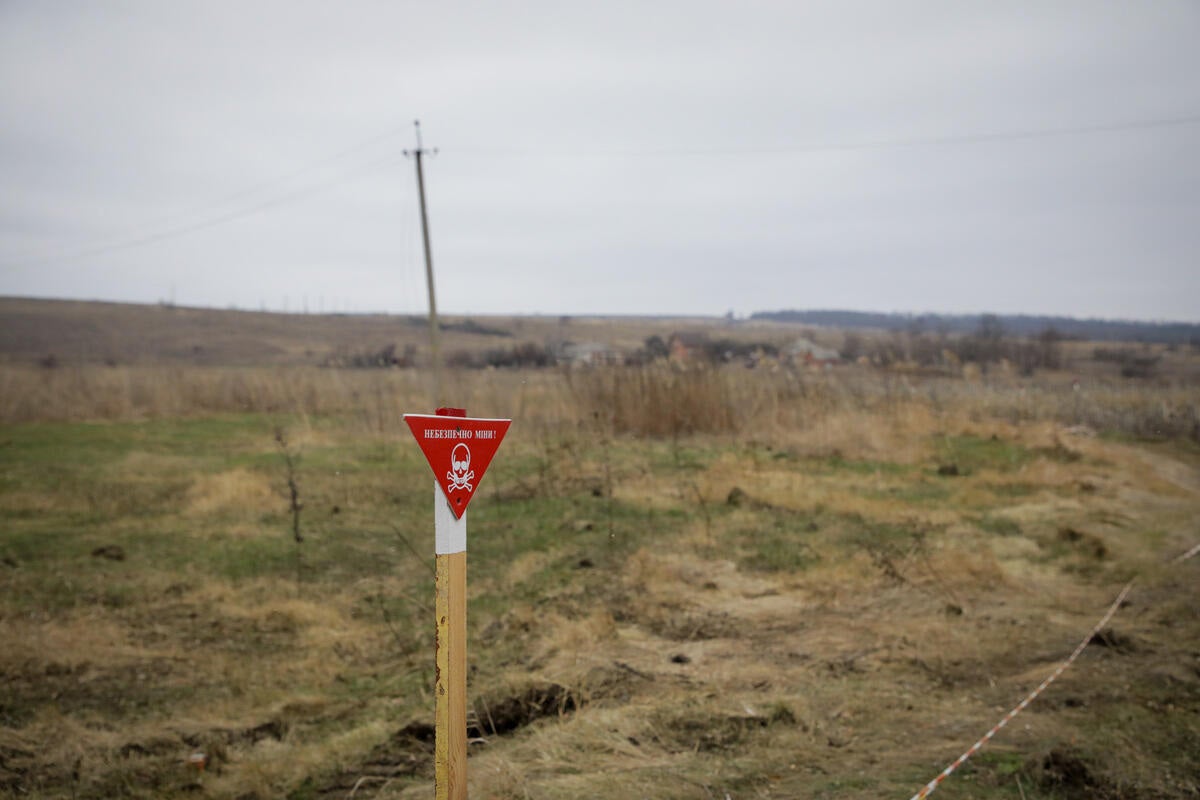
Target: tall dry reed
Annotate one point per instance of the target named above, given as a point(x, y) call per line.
point(657, 400)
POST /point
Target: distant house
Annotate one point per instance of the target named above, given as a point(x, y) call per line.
point(809, 353)
point(588, 354)
point(686, 346)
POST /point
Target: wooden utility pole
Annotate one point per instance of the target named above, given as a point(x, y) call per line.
point(433, 316)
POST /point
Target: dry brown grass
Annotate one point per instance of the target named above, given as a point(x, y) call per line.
point(227, 491)
point(832, 410)
point(376, 398)
point(843, 627)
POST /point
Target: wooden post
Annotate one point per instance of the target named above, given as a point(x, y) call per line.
point(459, 450)
point(450, 683)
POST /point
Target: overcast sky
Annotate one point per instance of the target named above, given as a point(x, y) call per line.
point(693, 157)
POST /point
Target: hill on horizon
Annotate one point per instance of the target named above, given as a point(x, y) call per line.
point(38, 330)
point(72, 331)
point(1012, 324)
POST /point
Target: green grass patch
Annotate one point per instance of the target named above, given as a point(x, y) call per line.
point(585, 539)
point(780, 543)
point(859, 533)
point(920, 492)
point(683, 455)
point(837, 463)
point(1012, 490)
point(1000, 526)
point(972, 453)
point(1000, 763)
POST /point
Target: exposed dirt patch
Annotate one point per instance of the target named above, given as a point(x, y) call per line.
point(1086, 543)
point(125, 691)
point(684, 624)
point(502, 714)
point(407, 753)
point(740, 498)
point(410, 751)
point(111, 552)
point(1067, 775)
point(1111, 639)
point(705, 731)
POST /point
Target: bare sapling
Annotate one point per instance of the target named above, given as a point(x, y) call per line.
point(290, 462)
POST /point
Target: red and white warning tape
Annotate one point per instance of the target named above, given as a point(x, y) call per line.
point(933, 784)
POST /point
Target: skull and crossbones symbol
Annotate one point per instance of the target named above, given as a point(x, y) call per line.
point(460, 474)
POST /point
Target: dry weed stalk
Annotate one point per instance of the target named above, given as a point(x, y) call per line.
point(289, 461)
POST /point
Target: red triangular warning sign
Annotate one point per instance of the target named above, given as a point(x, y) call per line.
point(459, 450)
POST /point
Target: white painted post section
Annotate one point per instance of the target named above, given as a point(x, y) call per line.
point(449, 533)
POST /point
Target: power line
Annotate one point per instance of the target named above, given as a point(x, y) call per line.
point(184, 230)
point(214, 205)
point(172, 232)
point(338, 156)
point(877, 144)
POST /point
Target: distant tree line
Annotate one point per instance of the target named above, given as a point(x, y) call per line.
point(1021, 325)
point(712, 351)
point(467, 325)
point(988, 343)
point(1133, 363)
point(526, 354)
point(382, 357)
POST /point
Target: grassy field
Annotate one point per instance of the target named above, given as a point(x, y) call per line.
point(796, 586)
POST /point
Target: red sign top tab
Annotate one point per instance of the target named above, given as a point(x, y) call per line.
point(459, 450)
